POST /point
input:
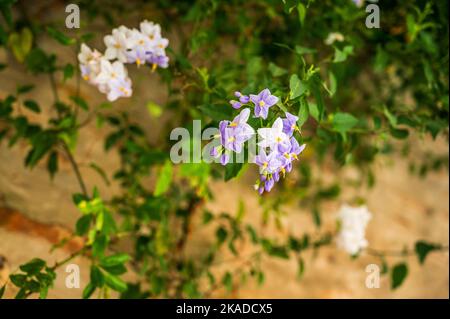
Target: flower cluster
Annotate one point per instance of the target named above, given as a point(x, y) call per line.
point(107, 71)
point(353, 222)
point(278, 147)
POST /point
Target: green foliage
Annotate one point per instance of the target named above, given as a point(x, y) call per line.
point(398, 275)
point(372, 92)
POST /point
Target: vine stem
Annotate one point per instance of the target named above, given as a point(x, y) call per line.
point(69, 258)
point(397, 253)
point(75, 168)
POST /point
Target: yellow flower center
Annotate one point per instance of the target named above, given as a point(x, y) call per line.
point(117, 46)
point(262, 103)
point(265, 164)
point(231, 139)
point(233, 124)
point(138, 62)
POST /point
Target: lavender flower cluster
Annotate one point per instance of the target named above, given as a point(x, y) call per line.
point(278, 147)
point(108, 72)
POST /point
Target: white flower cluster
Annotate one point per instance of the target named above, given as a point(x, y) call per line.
point(107, 71)
point(353, 223)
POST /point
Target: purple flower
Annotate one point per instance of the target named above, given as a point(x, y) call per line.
point(158, 60)
point(290, 124)
point(224, 159)
point(235, 104)
point(263, 101)
point(244, 99)
point(138, 56)
point(290, 153)
point(234, 134)
point(268, 164)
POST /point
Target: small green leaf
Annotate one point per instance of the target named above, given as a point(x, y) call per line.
point(80, 102)
point(60, 37)
point(52, 163)
point(296, 86)
point(21, 43)
point(343, 122)
point(155, 110)
point(96, 276)
point(164, 179)
point(83, 225)
point(113, 260)
point(398, 275)
point(88, 290)
point(99, 245)
point(276, 71)
point(22, 89)
point(2, 291)
point(341, 55)
point(422, 249)
point(33, 267)
point(68, 72)
point(232, 170)
point(303, 113)
point(32, 105)
point(114, 282)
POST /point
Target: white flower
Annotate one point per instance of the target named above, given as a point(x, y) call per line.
point(150, 29)
point(353, 223)
point(117, 44)
point(332, 37)
point(160, 45)
point(86, 55)
point(273, 137)
point(111, 71)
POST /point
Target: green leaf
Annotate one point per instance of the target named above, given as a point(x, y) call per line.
point(227, 281)
point(296, 86)
point(276, 71)
point(99, 245)
point(60, 37)
point(52, 163)
point(221, 235)
point(333, 84)
point(21, 43)
point(32, 105)
point(154, 109)
point(303, 113)
point(2, 291)
point(399, 133)
point(88, 290)
point(398, 275)
point(114, 260)
point(343, 122)
point(423, 248)
point(68, 71)
point(114, 282)
point(18, 280)
point(341, 55)
point(301, 13)
point(33, 267)
point(164, 179)
point(83, 225)
point(96, 276)
point(22, 89)
point(232, 170)
point(80, 102)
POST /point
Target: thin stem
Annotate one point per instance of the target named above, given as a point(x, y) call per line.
point(54, 87)
point(69, 258)
point(75, 168)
